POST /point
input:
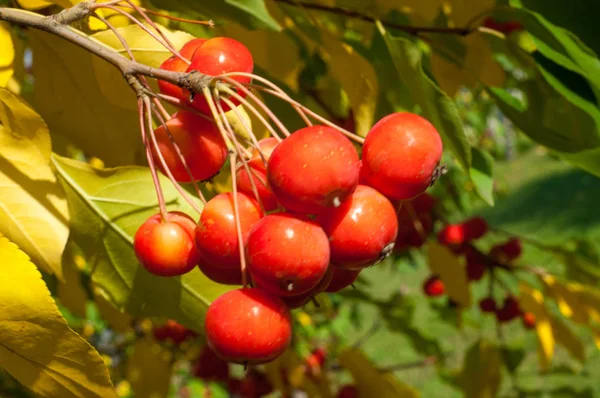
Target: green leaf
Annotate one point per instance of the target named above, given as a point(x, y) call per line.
point(436, 106)
point(258, 10)
point(249, 13)
point(481, 374)
point(512, 357)
point(482, 174)
point(108, 206)
point(579, 17)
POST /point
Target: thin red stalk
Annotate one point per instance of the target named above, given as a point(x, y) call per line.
point(242, 158)
point(180, 104)
point(145, 29)
point(160, 32)
point(257, 101)
point(248, 129)
point(416, 220)
point(274, 87)
point(252, 109)
point(161, 108)
point(238, 225)
point(159, 194)
point(181, 191)
point(321, 119)
point(180, 155)
point(172, 18)
point(285, 97)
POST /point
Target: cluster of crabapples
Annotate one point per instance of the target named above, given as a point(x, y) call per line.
point(306, 214)
point(460, 238)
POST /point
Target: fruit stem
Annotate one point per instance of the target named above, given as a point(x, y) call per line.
point(238, 224)
point(163, 40)
point(416, 221)
point(280, 93)
point(238, 148)
point(292, 102)
point(209, 23)
point(142, 108)
point(253, 109)
point(245, 125)
point(164, 163)
point(252, 96)
point(180, 155)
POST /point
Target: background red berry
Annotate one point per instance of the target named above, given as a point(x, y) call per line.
point(434, 287)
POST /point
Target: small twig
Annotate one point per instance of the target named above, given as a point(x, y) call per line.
point(368, 334)
point(413, 30)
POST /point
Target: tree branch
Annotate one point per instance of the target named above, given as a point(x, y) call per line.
point(413, 30)
point(58, 25)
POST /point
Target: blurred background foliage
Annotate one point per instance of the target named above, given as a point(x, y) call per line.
point(513, 87)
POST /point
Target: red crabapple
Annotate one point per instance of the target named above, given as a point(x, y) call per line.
point(173, 331)
point(218, 56)
point(258, 174)
point(314, 169)
point(528, 320)
point(487, 305)
point(508, 251)
point(476, 264)
point(400, 155)
point(288, 255)
point(510, 310)
point(216, 233)
point(302, 299)
point(200, 142)
point(452, 235)
point(224, 276)
point(362, 230)
point(167, 248)
point(210, 367)
point(341, 279)
point(248, 326)
point(176, 64)
point(348, 391)
point(475, 228)
point(434, 287)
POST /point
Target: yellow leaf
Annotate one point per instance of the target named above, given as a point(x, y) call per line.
point(369, 380)
point(37, 347)
point(358, 78)
point(7, 54)
point(596, 334)
point(118, 321)
point(570, 298)
point(451, 271)
point(449, 76)
point(33, 211)
point(149, 369)
point(266, 49)
point(145, 49)
point(566, 338)
point(461, 12)
point(34, 4)
point(482, 371)
point(77, 105)
point(532, 300)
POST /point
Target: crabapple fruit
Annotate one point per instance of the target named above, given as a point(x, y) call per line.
point(287, 254)
point(362, 230)
point(258, 174)
point(218, 56)
point(487, 305)
point(200, 143)
point(176, 64)
point(434, 287)
point(528, 320)
point(210, 367)
point(248, 326)
point(341, 279)
point(303, 299)
point(400, 155)
point(224, 276)
point(166, 248)
point(314, 169)
point(216, 232)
